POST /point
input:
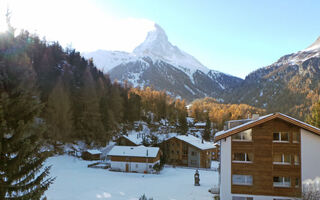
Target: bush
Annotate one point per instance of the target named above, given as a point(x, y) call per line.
point(143, 197)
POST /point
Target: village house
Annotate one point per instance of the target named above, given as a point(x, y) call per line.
point(134, 158)
point(91, 154)
point(188, 150)
point(267, 158)
point(129, 140)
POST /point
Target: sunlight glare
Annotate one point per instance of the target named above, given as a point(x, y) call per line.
point(80, 23)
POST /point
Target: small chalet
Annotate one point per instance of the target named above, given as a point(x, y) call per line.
point(134, 158)
point(91, 154)
point(188, 150)
point(130, 140)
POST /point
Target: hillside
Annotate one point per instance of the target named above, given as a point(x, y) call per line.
point(290, 85)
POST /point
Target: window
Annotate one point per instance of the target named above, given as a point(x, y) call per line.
point(242, 179)
point(178, 152)
point(295, 137)
point(192, 153)
point(281, 181)
point(281, 159)
point(243, 136)
point(242, 157)
point(281, 137)
point(137, 165)
point(297, 182)
point(172, 152)
point(242, 198)
point(150, 166)
point(296, 160)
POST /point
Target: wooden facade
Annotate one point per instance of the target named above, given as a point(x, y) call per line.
point(88, 156)
point(136, 159)
point(262, 168)
point(216, 152)
point(179, 152)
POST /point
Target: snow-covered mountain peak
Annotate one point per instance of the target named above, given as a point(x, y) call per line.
point(157, 46)
point(314, 46)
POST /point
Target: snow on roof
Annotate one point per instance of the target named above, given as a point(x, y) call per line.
point(94, 151)
point(134, 151)
point(200, 124)
point(196, 142)
point(245, 124)
point(134, 137)
point(190, 119)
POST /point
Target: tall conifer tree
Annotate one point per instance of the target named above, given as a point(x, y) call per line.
point(22, 174)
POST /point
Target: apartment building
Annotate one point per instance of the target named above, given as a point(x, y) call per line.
point(268, 158)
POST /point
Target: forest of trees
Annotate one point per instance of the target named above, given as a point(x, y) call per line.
point(80, 102)
point(218, 113)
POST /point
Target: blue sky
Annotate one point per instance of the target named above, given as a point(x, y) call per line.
point(232, 36)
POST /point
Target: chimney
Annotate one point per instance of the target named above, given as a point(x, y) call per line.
point(202, 141)
point(255, 116)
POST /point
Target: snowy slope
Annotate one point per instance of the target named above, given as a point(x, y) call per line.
point(106, 60)
point(315, 46)
point(74, 180)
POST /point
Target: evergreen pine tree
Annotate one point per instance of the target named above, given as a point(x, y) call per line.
point(89, 121)
point(207, 130)
point(22, 174)
point(59, 114)
point(183, 124)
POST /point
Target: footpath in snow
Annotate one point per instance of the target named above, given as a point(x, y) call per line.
point(74, 180)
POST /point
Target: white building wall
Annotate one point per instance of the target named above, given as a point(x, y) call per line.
point(133, 166)
point(259, 197)
point(225, 169)
point(310, 158)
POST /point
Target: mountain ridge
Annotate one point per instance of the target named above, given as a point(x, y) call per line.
point(179, 71)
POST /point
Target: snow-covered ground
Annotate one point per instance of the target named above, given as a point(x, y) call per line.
point(74, 180)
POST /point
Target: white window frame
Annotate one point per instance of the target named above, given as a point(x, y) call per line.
point(241, 161)
point(282, 183)
point(242, 136)
point(246, 178)
point(282, 160)
point(281, 141)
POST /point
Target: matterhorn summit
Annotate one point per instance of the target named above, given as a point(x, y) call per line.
point(157, 45)
point(157, 62)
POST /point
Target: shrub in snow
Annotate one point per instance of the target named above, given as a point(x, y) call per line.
point(143, 197)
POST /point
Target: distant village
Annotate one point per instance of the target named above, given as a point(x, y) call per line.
point(262, 157)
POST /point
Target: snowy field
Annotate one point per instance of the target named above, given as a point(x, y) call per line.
point(74, 180)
